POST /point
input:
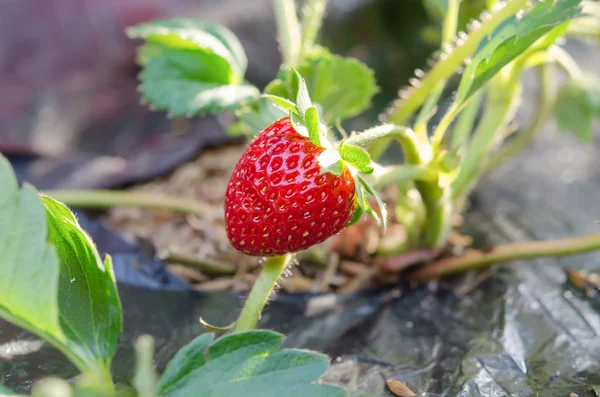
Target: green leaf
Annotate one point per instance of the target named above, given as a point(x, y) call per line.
point(187, 83)
point(185, 361)
point(511, 39)
point(28, 264)
point(88, 300)
point(311, 120)
point(190, 34)
point(75, 305)
point(247, 364)
point(577, 105)
point(343, 87)
point(357, 157)
point(5, 391)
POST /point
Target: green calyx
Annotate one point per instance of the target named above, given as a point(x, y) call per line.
point(305, 118)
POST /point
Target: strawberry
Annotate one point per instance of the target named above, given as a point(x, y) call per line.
point(280, 200)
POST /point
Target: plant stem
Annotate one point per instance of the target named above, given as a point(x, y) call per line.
point(113, 198)
point(448, 34)
point(313, 13)
point(503, 94)
point(450, 22)
point(270, 273)
point(466, 120)
point(436, 194)
point(548, 94)
point(508, 252)
point(446, 67)
point(427, 110)
point(412, 149)
point(211, 267)
point(565, 61)
point(400, 174)
point(288, 31)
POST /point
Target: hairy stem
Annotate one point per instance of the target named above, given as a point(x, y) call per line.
point(288, 31)
point(450, 22)
point(448, 34)
point(270, 273)
point(313, 13)
point(548, 94)
point(508, 252)
point(503, 95)
point(466, 121)
point(406, 137)
point(113, 198)
point(435, 193)
point(446, 67)
point(400, 174)
point(565, 61)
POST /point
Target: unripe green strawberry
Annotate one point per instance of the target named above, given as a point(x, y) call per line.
point(280, 200)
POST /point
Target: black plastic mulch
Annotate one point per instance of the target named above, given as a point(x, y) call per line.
point(522, 332)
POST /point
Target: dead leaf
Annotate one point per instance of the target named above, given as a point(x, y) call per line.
point(399, 388)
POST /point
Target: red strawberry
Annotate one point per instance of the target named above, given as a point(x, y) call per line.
point(279, 200)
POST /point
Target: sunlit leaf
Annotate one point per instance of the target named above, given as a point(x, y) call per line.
point(88, 300)
point(510, 40)
point(186, 83)
point(74, 304)
point(27, 262)
point(343, 87)
point(192, 34)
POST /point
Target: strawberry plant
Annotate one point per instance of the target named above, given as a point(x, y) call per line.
point(302, 179)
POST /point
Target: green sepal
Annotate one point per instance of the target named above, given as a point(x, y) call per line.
point(362, 189)
point(358, 213)
point(303, 102)
point(380, 203)
point(330, 161)
point(357, 157)
point(282, 103)
point(311, 120)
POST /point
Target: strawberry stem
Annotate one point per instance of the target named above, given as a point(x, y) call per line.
point(401, 111)
point(435, 194)
point(406, 137)
point(288, 31)
point(508, 252)
point(270, 273)
point(112, 198)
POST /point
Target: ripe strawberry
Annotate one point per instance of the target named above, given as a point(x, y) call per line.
point(279, 200)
